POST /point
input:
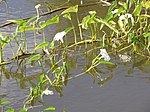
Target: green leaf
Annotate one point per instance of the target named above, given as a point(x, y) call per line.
point(141, 42)
point(68, 29)
point(5, 72)
point(44, 44)
point(109, 16)
point(85, 22)
point(27, 28)
point(10, 110)
point(130, 36)
point(71, 9)
point(53, 20)
point(50, 109)
point(146, 4)
point(42, 24)
point(121, 10)
point(23, 110)
point(114, 5)
point(147, 34)
point(23, 25)
point(67, 16)
point(148, 42)
point(4, 102)
point(52, 44)
point(21, 21)
point(107, 24)
point(4, 41)
point(42, 77)
point(105, 62)
point(137, 10)
point(35, 57)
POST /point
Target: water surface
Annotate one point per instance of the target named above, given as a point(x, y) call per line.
point(127, 88)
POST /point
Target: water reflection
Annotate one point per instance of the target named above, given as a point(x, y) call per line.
point(77, 61)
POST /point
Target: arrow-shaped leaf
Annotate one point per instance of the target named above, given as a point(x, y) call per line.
point(44, 44)
point(33, 58)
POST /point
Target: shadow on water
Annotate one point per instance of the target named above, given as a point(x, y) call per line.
point(122, 86)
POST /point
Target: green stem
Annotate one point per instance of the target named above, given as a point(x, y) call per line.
point(80, 30)
point(25, 42)
point(12, 50)
point(1, 53)
point(35, 43)
point(75, 36)
point(44, 38)
point(92, 32)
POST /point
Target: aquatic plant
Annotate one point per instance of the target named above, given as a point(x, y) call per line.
point(128, 28)
point(3, 41)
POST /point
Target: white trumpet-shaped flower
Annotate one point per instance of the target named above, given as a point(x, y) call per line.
point(104, 54)
point(37, 10)
point(48, 92)
point(124, 20)
point(125, 17)
point(37, 6)
point(115, 11)
point(59, 36)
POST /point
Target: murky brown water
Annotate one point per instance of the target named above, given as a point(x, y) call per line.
point(127, 89)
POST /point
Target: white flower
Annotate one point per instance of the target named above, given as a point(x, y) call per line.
point(48, 92)
point(130, 16)
point(37, 10)
point(81, 2)
point(37, 6)
point(124, 58)
point(59, 36)
point(104, 54)
point(125, 17)
point(92, 12)
point(115, 11)
point(46, 51)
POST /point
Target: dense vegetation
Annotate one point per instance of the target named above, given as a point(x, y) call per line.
point(125, 27)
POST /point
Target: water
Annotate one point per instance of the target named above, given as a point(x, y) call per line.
point(126, 90)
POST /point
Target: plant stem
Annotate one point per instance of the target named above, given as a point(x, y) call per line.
point(35, 43)
point(1, 53)
point(80, 30)
point(75, 36)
